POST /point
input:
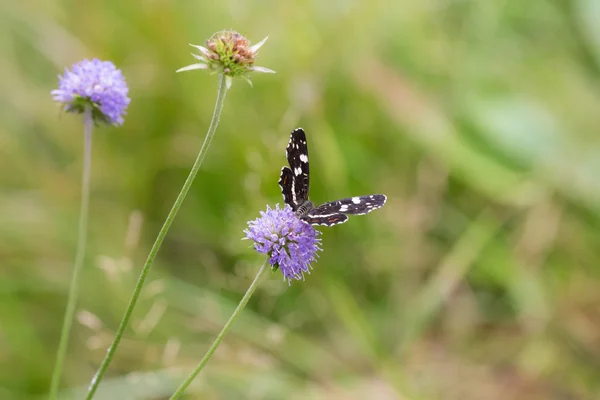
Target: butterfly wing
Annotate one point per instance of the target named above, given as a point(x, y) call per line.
point(328, 220)
point(286, 182)
point(297, 156)
point(352, 205)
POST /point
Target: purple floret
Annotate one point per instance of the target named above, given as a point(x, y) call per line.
point(291, 243)
point(95, 84)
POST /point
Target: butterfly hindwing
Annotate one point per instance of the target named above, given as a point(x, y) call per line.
point(352, 205)
point(297, 156)
point(328, 220)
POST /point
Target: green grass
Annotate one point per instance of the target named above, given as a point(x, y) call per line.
point(479, 278)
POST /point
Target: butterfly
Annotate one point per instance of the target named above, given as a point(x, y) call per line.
point(294, 182)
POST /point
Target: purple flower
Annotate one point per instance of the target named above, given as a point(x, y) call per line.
point(96, 84)
point(291, 243)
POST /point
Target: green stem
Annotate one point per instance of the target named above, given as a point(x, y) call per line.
point(159, 239)
point(222, 334)
point(79, 255)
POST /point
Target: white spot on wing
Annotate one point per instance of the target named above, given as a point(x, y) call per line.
point(297, 171)
point(356, 200)
point(304, 158)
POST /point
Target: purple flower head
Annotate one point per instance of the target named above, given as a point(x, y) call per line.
point(96, 84)
point(291, 243)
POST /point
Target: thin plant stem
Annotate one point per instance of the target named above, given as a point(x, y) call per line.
point(159, 239)
point(79, 255)
point(219, 339)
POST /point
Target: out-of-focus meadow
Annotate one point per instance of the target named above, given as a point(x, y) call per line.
point(480, 278)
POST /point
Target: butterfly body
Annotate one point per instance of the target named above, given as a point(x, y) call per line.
point(305, 208)
point(294, 183)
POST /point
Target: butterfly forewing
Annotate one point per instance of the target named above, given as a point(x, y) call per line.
point(352, 205)
point(297, 155)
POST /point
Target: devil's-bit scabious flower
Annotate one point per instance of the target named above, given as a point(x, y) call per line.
point(229, 53)
point(291, 243)
point(96, 84)
point(96, 89)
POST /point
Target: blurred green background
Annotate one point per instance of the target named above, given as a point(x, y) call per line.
point(479, 279)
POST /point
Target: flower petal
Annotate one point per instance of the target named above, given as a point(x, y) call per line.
point(192, 67)
point(258, 45)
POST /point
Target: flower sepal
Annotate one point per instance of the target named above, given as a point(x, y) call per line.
point(80, 104)
point(274, 267)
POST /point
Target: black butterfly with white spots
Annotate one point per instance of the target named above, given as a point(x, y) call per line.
point(294, 187)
